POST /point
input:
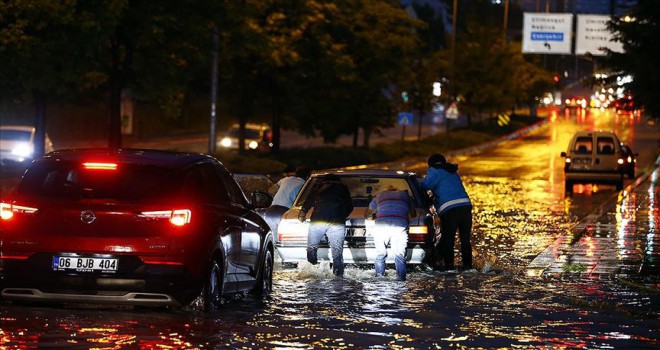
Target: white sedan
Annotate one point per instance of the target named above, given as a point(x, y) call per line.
point(359, 246)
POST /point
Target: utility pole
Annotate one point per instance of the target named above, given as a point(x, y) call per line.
point(506, 18)
point(453, 57)
point(214, 88)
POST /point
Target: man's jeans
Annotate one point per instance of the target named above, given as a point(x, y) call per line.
point(336, 234)
point(397, 237)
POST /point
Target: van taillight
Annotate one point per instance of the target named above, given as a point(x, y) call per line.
point(7, 211)
point(177, 217)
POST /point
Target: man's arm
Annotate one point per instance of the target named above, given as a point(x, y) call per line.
point(272, 190)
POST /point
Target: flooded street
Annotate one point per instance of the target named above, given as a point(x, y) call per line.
point(519, 211)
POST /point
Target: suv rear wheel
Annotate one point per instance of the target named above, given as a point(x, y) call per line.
point(213, 288)
point(264, 285)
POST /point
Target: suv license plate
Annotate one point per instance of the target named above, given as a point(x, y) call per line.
point(84, 264)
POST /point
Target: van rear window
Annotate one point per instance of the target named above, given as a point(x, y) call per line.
point(583, 145)
point(605, 145)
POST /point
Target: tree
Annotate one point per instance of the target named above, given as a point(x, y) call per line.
point(639, 32)
point(151, 51)
point(365, 48)
point(62, 48)
point(45, 48)
point(490, 75)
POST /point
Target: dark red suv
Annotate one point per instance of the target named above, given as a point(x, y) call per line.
point(136, 227)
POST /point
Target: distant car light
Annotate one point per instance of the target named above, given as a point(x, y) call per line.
point(620, 161)
point(23, 150)
point(253, 144)
point(226, 142)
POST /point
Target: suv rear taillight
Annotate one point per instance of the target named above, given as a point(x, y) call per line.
point(177, 217)
point(8, 211)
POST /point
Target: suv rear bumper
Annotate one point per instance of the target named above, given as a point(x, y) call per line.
point(129, 298)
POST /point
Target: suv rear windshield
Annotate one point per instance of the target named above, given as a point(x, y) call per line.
point(362, 188)
point(72, 180)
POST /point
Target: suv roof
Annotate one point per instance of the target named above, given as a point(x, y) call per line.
point(128, 155)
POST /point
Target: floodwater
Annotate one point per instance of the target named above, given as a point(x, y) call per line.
point(310, 309)
point(519, 209)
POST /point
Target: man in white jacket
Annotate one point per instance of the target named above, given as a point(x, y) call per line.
point(285, 192)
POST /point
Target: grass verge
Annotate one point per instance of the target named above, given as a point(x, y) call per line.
point(336, 157)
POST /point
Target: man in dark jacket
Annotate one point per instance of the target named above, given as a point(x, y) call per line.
point(454, 207)
point(332, 205)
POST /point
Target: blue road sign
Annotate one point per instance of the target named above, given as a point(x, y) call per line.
point(405, 118)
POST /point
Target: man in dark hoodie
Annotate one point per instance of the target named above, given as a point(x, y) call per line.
point(332, 205)
point(455, 209)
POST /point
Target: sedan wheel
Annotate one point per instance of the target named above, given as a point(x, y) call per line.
point(212, 293)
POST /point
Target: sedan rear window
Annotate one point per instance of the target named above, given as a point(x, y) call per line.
point(127, 181)
point(362, 189)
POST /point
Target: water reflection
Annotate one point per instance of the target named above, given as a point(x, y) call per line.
point(310, 310)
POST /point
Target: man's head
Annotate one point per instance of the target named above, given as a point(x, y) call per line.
point(436, 160)
point(303, 172)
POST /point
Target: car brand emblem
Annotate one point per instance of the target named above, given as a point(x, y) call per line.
point(87, 216)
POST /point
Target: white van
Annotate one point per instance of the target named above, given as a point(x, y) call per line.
point(594, 157)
